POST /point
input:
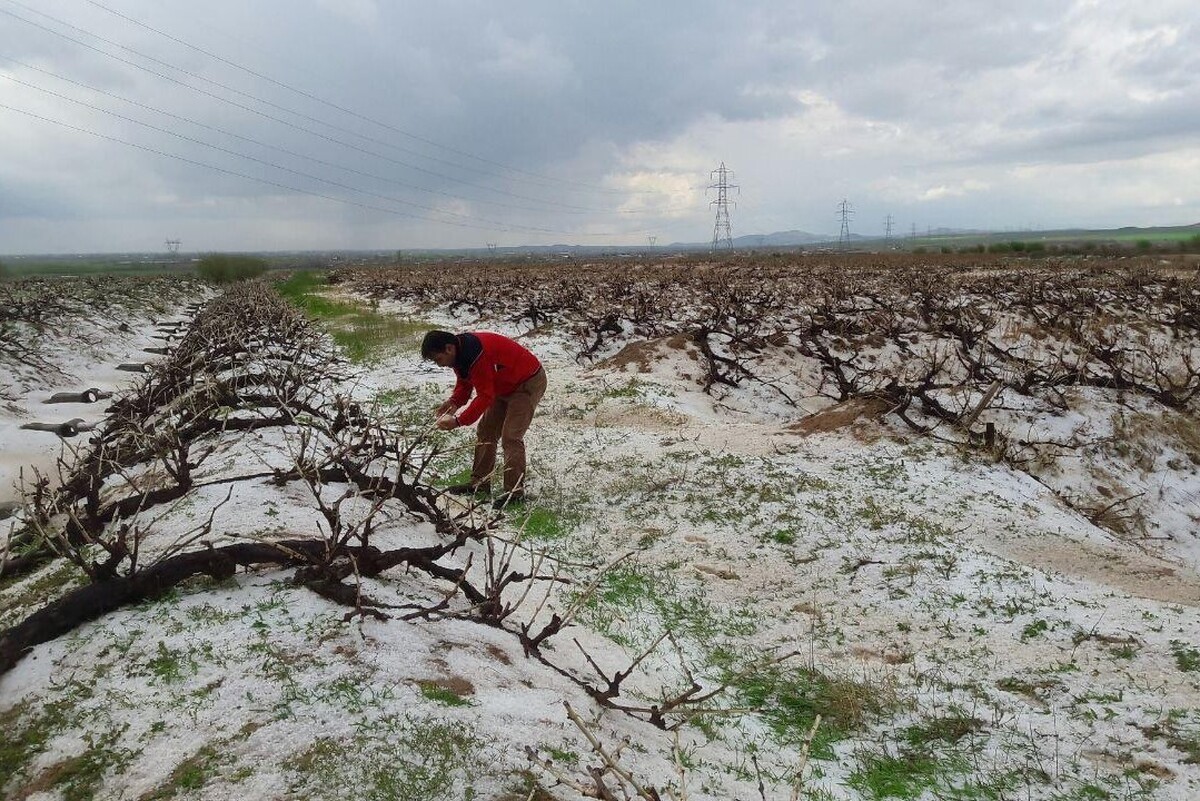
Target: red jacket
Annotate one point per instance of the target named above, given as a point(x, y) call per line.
point(492, 365)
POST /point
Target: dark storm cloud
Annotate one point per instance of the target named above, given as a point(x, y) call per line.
point(1118, 134)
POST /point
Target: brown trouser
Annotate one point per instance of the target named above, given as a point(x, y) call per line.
point(506, 421)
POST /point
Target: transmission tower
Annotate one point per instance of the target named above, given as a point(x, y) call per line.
point(722, 232)
point(652, 239)
point(173, 247)
point(845, 211)
point(887, 230)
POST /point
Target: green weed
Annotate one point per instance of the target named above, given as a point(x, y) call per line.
point(784, 536)
point(442, 695)
point(1187, 657)
point(1035, 629)
point(26, 735)
point(626, 586)
point(190, 774)
point(1178, 732)
point(170, 666)
point(565, 757)
point(947, 729)
point(633, 389)
point(463, 476)
point(1127, 651)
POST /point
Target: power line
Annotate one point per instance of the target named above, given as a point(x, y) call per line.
point(557, 205)
point(351, 112)
point(722, 230)
point(498, 225)
point(273, 165)
point(234, 173)
point(562, 183)
point(278, 185)
point(260, 143)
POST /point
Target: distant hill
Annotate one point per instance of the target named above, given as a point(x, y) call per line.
point(779, 239)
point(796, 238)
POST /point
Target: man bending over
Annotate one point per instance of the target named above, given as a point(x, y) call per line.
point(508, 381)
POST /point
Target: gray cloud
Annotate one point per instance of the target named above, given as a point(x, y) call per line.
point(519, 113)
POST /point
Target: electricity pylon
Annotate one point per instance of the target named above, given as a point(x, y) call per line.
point(845, 212)
point(722, 231)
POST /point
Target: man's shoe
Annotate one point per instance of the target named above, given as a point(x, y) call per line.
point(470, 489)
point(507, 499)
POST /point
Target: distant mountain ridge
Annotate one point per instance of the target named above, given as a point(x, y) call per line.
point(779, 239)
point(796, 238)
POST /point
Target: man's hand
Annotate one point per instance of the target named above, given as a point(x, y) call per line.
point(447, 422)
point(444, 409)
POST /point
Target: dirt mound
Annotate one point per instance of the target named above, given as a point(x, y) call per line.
point(642, 353)
point(840, 416)
point(1140, 575)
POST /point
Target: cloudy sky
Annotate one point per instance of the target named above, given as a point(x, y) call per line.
point(297, 124)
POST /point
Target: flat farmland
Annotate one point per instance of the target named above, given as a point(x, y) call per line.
point(857, 527)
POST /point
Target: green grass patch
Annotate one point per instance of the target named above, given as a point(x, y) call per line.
point(25, 736)
point(560, 755)
point(906, 775)
point(463, 476)
point(22, 594)
point(361, 332)
point(189, 775)
point(45, 267)
point(28, 730)
point(788, 699)
point(541, 523)
point(78, 778)
point(633, 604)
point(631, 389)
point(626, 586)
point(412, 400)
point(412, 407)
point(396, 758)
point(226, 268)
point(442, 695)
point(366, 336)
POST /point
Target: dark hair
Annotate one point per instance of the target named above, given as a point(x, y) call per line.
point(436, 342)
